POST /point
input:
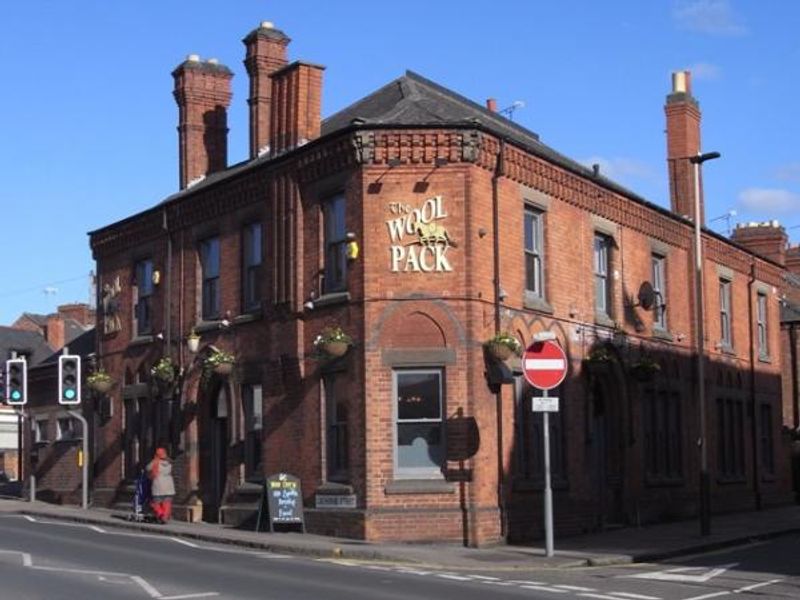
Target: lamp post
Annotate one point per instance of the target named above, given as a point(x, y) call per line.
point(705, 478)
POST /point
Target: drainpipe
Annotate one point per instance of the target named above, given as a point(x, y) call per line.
point(498, 172)
point(168, 286)
point(793, 358)
point(753, 405)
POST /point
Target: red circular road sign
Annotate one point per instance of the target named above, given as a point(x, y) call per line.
point(544, 365)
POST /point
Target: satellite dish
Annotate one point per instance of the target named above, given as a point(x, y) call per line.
point(647, 295)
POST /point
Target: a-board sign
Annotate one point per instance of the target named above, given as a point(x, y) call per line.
point(282, 498)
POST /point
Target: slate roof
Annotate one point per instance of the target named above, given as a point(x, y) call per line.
point(29, 343)
point(83, 345)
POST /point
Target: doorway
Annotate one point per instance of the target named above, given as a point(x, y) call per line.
point(214, 454)
point(608, 464)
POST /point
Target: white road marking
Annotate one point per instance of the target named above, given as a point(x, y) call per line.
point(527, 582)
point(635, 596)
point(29, 518)
point(485, 578)
point(182, 596)
point(26, 558)
point(153, 592)
point(755, 586)
point(576, 588)
point(598, 596)
point(97, 529)
point(453, 577)
point(681, 574)
point(704, 596)
point(542, 588)
point(184, 542)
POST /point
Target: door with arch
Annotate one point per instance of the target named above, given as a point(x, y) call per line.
point(606, 434)
point(214, 442)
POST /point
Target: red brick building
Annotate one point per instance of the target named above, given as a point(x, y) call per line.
point(421, 224)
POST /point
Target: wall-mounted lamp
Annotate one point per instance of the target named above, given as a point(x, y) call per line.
point(193, 342)
point(503, 294)
point(351, 250)
point(156, 277)
point(309, 305)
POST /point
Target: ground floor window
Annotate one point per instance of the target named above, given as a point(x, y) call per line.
point(529, 436)
point(767, 453)
point(730, 438)
point(40, 431)
point(252, 401)
point(68, 429)
point(336, 436)
point(419, 445)
point(661, 411)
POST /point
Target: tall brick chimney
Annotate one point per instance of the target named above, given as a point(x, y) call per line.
point(266, 53)
point(78, 311)
point(683, 141)
point(296, 116)
point(765, 239)
point(54, 332)
point(203, 93)
point(793, 259)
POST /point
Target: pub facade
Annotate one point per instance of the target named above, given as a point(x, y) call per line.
point(412, 227)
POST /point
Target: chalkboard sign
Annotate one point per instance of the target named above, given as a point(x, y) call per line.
point(282, 498)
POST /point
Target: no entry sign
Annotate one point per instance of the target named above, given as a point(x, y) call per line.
point(544, 365)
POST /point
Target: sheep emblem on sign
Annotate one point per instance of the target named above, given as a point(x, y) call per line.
point(431, 234)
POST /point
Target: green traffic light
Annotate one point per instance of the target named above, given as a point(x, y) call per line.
point(16, 395)
point(69, 394)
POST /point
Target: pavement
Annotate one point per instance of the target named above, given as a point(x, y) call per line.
point(620, 546)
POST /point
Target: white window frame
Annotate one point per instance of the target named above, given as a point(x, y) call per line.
point(762, 328)
point(66, 433)
point(536, 227)
point(659, 274)
point(418, 472)
point(601, 256)
point(41, 430)
point(725, 317)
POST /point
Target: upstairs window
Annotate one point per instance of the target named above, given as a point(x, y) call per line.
point(659, 264)
point(251, 267)
point(335, 242)
point(761, 325)
point(602, 283)
point(726, 338)
point(209, 269)
point(143, 298)
point(534, 260)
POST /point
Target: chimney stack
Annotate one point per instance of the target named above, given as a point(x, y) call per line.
point(266, 53)
point(683, 142)
point(793, 259)
point(765, 239)
point(491, 105)
point(203, 93)
point(296, 116)
point(54, 331)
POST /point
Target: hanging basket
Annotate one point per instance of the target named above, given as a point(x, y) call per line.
point(223, 368)
point(335, 349)
point(499, 351)
point(102, 386)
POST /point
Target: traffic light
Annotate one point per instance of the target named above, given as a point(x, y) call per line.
point(16, 381)
point(69, 379)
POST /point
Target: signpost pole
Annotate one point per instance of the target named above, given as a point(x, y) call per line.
point(548, 490)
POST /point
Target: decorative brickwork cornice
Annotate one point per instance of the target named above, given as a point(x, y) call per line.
point(416, 146)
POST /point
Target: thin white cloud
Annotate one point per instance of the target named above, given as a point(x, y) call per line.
point(712, 17)
point(788, 172)
point(620, 168)
point(769, 202)
point(704, 71)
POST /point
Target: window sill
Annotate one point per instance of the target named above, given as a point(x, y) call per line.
point(334, 488)
point(419, 486)
point(204, 326)
point(249, 317)
point(662, 334)
point(74, 440)
point(765, 359)
point(141, 340)
point(537, 303)
point(332, 298)
point(726, 349)
point(604, 320)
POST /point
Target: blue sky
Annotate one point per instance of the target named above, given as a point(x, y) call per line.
point(89, 135)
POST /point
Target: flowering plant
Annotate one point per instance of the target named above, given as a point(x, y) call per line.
point(164, 369)
point(646, 364)
point(217, 358)
point(504, 338)
point(98, 377)
point(599, 355)
point(331, 335)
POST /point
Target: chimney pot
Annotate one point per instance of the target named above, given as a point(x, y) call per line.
point(213, 61)
point(267, 25)
point(193, 58)
point(491, 104)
